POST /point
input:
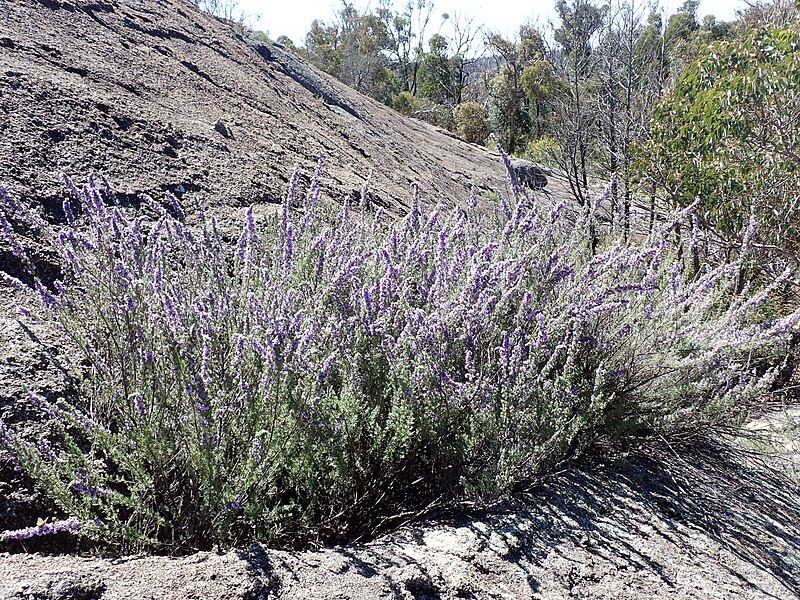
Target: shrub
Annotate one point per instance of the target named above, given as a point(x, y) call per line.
point(334, 369)
point(470, 122)
point(423, 109)
point(439, 115)
point(404, 103)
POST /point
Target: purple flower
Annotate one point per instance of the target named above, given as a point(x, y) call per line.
point(45, 405)
point(87, 423)
point(138, 404)
point(81, 488)
point(291, 196)
point(70, 525)
point(172, 314)
point(413, 217)
point(5, 228)
point(469, 365)
point(176, 206)
point(158, 279)
point(6, 440)
point(513, 180)
point(69, 185)
point(259, 348)
point(10, 281)
point(327, 364)
point(505, 351)
point(314, 189)
point(288, 249)
point(7, 233)
point(205, 364)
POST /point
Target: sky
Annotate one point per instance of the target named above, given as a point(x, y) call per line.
point(292, 18)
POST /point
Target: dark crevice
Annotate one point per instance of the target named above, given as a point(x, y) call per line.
point(199, 72)
point(164, 34)
point(77, 70)
point(56, 5)
point(302, 74)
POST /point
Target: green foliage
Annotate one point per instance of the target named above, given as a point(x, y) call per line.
point(580, 20)
point(422, 108)
point(509, 118)
point(262, 37)
point(352, 50)
point(321, 51)
point(287, 42)
point(543, 89)
point(470, 122)
point(540, 82)
point(728, 134)
point(334, 370)
point(404, 103)
point(436, 72)
point(504, 109)
point(544, 150)
point(683, 24)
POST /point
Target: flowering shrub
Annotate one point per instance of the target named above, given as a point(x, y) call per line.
point(337, 367)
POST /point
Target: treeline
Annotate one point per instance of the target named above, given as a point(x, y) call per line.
point(577, 93)
point(661, 106)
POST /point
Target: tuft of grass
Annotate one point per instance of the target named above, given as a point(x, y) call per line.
point(337, 366)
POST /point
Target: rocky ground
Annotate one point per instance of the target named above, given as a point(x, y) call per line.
point(160, 96)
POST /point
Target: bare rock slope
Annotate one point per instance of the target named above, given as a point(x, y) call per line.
point(160, 96)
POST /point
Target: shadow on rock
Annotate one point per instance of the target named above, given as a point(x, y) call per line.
point(710, 521)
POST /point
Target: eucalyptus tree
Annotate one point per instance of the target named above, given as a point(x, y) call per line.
point(576, 38)
point(506, 92)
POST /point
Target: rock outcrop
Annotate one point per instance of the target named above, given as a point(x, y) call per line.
point(162, 97)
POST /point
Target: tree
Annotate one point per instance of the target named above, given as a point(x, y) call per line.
point(505, 88)
point(681, 36)
point(470, 122)
point(542, 87)
point(405, 33)
point(353, 50)
point(503, 108)
point(771, 13)
point(580, 22)
point(322, 42)
point(629, 66)
point(444, 69)
point(287, 42)
point(465, 52)
point(436, 75)
point(728, 136)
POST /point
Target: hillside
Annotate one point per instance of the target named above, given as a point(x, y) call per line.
point(159, 96)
